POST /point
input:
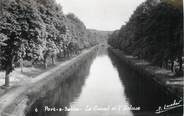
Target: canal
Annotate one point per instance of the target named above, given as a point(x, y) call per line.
point(105, 86)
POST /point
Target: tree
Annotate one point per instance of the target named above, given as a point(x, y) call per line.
point(18, 23)
point(35, 30)
point(154, 33)
point(2, 39)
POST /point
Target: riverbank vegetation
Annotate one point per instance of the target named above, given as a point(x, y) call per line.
point(38, 32)
point(154, 32)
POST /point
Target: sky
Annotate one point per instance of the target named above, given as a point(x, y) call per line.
point(101, 14)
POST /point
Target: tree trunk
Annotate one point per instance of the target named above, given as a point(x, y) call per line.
point(64, 53)
point(21, 65)
point(45, 63)
point(7, 79)
point(53, 60)
point(8, 70)
point(166, 64)
point(172, 66)
point(180, 64)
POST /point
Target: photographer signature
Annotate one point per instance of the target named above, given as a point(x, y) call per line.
point(165, 108)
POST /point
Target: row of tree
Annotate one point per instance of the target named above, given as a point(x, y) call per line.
point(37, 30)
point(99, 36)
point(154, 32)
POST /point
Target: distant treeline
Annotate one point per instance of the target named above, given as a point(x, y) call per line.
point(99, 36)
point(154, 32)
point(37, 30)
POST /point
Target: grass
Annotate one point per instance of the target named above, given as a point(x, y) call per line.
point(19, 78)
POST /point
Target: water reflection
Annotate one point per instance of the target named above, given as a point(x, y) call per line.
point(102, 51)
point(61, 97)
point(142, 91)
point(105, 87)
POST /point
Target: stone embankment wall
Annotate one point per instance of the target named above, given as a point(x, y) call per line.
point(159, 75)
point(44, 83)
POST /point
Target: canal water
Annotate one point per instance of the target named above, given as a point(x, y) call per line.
point(105, 86)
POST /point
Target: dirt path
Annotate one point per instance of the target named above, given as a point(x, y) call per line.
point(8, 96)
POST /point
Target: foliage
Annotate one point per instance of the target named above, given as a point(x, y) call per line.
point(154, 33)
point(36, 30)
